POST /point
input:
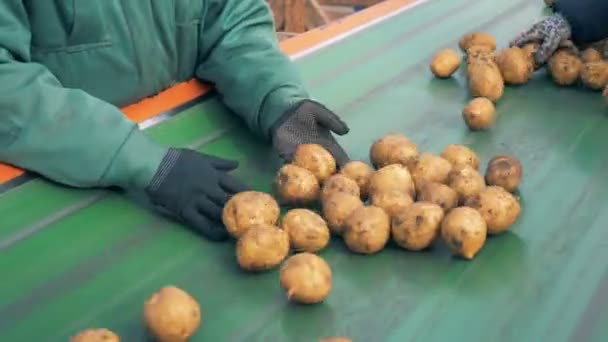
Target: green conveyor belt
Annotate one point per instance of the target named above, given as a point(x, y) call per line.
point(73, 259)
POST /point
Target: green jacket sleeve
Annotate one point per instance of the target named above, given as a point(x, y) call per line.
point(241, 57)
point(63, 134)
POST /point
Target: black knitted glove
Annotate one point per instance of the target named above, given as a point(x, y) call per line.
point(194, 188)
point(309, 122)
point(552, 33)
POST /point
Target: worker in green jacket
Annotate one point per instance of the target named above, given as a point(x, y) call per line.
point(66, 66)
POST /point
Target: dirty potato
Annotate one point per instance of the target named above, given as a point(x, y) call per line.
point(360, 172)
point(336, 209)
point(564, 67)
point(464, 231)
point(437, 193)
point(445, 63)
point(95, 335)
point(249, 208)
point(485, 80)
point(514, 66)
point(416, 228)
point(498, 207)
point(335, 339)
point(480, 54)
point(591, 55)
point(172, 314)
point(367, 230)
point(315, 159)
point(458, 154)
point(595, 75)
point(307, 230)
point(504, 171)
point(392, 177)
point(392, 201)
point(296, 185)
point(466, 181)
point(427, 167)
point(306, 277)
point(479, 114)
point(340, 183)
point(477, 39)
point(262, 247)
point(530, 50)
point(392, 149)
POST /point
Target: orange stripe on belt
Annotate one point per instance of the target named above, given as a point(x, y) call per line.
point(187, 91)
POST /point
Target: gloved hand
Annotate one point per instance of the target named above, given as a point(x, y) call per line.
point(194, 188)
point(309, 122)
point(552, 33)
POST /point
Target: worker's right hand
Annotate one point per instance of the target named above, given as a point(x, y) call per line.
point(194, 188)
point(551, 33)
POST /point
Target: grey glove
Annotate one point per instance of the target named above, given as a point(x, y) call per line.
point(551, 33)
point(309, 122)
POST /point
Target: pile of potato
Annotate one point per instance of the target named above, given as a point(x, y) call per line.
point(411, 197)
point(440, 197)
point(489, 71)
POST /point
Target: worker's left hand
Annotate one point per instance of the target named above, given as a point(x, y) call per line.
point(309, 122)
point(552, 33)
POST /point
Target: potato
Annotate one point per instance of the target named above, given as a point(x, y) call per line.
point(367, 230)
point(458, 154)
point(296, 185)
point(480, 54)
point(530, 50)
point(479, 114)
point(464, 231)
point(262, 247)
point(591, 55)
point(249, 208)
point(514, 66)
point(306, 277)
point(340, 183)
point(498, 207)
point(466, 181)
point(337, 207)
point(360, 172)
point(476, 39)
point(504, 171)
point(171, 314)
point(564, 67)
point(478, 58)
point(392, 177)
point(392, 201)
point(437, 193)
point(445, 63)
point(484, 52)
point(417, 227)
point(595, 75)
point(485, 80)
point(392, 149)
point(315, 159)
point(95, 335)
point(335, 339)
point(307, 230)
point(428, 167)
